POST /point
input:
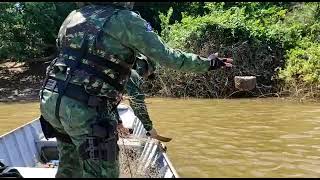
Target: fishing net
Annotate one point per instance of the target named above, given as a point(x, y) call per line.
point(134, 165)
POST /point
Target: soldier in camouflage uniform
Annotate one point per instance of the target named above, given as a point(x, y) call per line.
point(97, 46)
point(144, 69)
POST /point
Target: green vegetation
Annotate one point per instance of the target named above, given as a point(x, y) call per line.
point(279, 42)
point(29, 29)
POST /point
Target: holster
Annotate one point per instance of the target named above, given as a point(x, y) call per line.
point(101, 144)
point(47, 128)
point(50, 132)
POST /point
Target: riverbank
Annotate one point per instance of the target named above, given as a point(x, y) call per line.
point(21, 83)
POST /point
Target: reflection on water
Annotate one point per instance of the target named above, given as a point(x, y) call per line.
point(240, 138)
point(225, 138)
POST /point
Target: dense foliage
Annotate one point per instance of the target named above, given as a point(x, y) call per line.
point(273, 41)
point(29, 29)
point(276, 41)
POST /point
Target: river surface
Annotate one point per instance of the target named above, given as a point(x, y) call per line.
point(225, 138)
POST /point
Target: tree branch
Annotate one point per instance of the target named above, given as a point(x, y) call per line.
point(43, 59)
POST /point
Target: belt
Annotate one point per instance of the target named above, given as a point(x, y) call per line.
point(74, 91)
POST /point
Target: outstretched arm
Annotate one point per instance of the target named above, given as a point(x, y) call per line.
point(134, 32)
point(136, 99)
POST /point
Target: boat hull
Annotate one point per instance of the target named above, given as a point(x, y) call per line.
point(22, 149)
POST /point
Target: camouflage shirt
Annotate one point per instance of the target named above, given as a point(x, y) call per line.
point(127, 30)
point(125, 34)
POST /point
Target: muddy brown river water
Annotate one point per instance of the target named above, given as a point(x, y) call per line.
point(225, 138)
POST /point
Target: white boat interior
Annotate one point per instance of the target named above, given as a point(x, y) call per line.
point(27, 152)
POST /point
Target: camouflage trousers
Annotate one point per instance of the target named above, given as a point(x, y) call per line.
point(75, 120)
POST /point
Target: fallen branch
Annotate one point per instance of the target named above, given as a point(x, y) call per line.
point(43, 59)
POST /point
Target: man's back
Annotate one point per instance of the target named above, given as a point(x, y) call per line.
point(83, 33)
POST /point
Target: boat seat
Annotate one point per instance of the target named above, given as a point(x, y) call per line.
point(43, 142)
point(48, 148)
point(31, 172)
point(52, 142)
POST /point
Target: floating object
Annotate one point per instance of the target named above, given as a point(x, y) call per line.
point(25, 150)
point(245, 83)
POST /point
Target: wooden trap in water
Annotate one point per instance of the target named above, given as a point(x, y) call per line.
point(245, 83)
